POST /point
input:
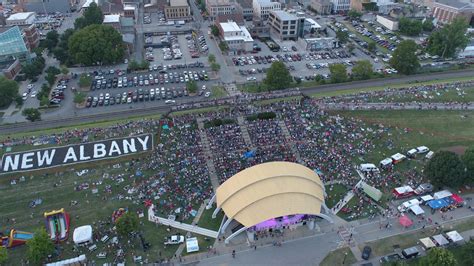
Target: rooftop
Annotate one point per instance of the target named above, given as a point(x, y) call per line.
point(266, 2)
point(229, 26)
point(460, 4)
point(178, 3)
point(218, 2)
point(283, 15)
point(20, 16)
point(11, 42)
point(111, 19)
point(245, 3)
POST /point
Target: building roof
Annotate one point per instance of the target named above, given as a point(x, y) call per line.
point(218, 2)
point(459, 4)
point(283, 15)
point(245, 3)
point(20, 16)
point(11, 42)
point(229, 26)
point(111, 19)
point(270, 190)
point(237, 17)
point(178, 3)
point(89, 2)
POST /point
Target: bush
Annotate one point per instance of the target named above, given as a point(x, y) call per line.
point(85, 81)
point(218, 122)
point(261, 116)
point(79, 97)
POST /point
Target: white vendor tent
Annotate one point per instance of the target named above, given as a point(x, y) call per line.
point(192, 244)
point(442, 194)
point(426, 198)
point(81, 260)
point(454, 236)
point(82, 235)
point(440, 240)
point(427, 243)
point(398, 157)
point(417, 210)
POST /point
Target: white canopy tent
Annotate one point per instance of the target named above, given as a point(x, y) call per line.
point(427, 243)
point(442, 194)
point(417, 210)
point(454, 236)
point(440, 240)
point(82, 235)
point(426, 198)
point(192, 244)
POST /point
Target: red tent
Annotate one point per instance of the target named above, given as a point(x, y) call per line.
point(457, 199)
point(405, 221)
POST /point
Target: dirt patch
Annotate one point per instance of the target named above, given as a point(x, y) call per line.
point(459, 150)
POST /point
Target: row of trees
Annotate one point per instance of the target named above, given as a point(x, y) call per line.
point(448, 169)
point(413, 27)
point(446, 41)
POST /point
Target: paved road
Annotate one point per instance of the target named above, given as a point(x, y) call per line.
point(84, 118)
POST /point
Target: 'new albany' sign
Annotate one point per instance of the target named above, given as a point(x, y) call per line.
point(79, 153)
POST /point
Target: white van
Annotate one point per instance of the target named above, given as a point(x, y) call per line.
point(422, 149)
point(429, 155)
point(368, 167)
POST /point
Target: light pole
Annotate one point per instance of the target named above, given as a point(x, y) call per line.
point(344, 260)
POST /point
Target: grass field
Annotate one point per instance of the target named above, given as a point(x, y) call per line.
point(365, 210)
point(206, 220)
point(218, 92)
point(463, 95)
point(341, 256)
point(335, 193)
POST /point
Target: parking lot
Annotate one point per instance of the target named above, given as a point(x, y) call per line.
point(161, 84)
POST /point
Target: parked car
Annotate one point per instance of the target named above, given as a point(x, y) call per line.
point(366, 252)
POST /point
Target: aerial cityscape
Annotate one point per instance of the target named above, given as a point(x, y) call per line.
point(237, 132)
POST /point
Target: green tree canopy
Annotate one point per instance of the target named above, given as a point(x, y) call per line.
point(79, 97)
point(445, 169)
point(350, 47)
point(342, 36)
point(410, 27)
point(372, 47)
point(404, 58)
point(428, 25)
point(362, 70)
point(8, 91)
point(448, 40)
point(85, 81)
point(468, 160)
point(354, 14)
point(32, 114)
point(278, 77)
point(92, 15)
point(211, 58)
point(215, 67)
point(192, 86)
point(438, 257)
point(94, 44)
point(51, 40)
point(338, 73)
point(467, 253)
point(61, 52)
point(39, 247)
point(127, 224)
point(214, 30)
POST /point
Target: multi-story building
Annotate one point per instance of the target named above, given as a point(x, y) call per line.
point(246, 8)
point(14, 44)
point(323, 7)
point(339, 6)
point(446, 10)
point(388, 22)
point(262, 8)
point(237, 37)
point(22, 18)
point(215, 7)
point(286, 26)
point(112, 20)
point(49, 6)
point(178, 10)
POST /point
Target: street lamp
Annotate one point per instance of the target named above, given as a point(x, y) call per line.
point(344, 260)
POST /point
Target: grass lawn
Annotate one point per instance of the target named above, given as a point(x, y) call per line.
point(218, 92)
point(338, 257)
point(206, 220)
point(464, 95)
point(335, 193)
point(358, 210)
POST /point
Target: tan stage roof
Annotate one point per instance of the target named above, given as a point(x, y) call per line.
point(270, 190)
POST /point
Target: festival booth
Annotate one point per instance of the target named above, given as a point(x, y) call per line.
point(427, 243)
point(440, 240)
point(405, 221)
point(458, 201)
point(192, 244)
point(405, 206)
point(82, 235)
point(454, 237)
point(425, 199)
point(398, 157)
point(371, 191)
point(442, 194)
point(417, 210)
point(403, 192)
point(386, 163)
point(81, 260)
point(437, 204)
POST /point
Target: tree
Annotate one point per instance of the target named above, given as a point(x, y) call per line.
point(278, 77)
point(8, 91)
point(215, 67)
point(438, 257)
point(428, 25)
point(39, 247)
point(467, 253)
point(79, 97)
point(372, 46)
point(192, 86)
point(342, 36)
point(445, 169)
point(350, 47)
point(223, 46)
point(410, 27)
point(53, 70)
point(50, 41)
point(32, 114)
point(92, 15)
point(127, 223)
point(96, 44)
point(211, 58)
point(450, 39)
point(50, 78)
point(64, 70)
point(404, 58)
point(34, 69)
point(133, 65)
point(85, 81)
point(61, 52)
point(338, 73)
point(214, 30)
point(354, 14)
point(468, 160)
point(3, 255)
point(362, 70)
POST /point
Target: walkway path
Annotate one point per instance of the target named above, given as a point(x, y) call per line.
point(245, 132)
point(208, 153)
point(195, 221)
point(287, 135)
point(342, 202)
point(183, 226)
